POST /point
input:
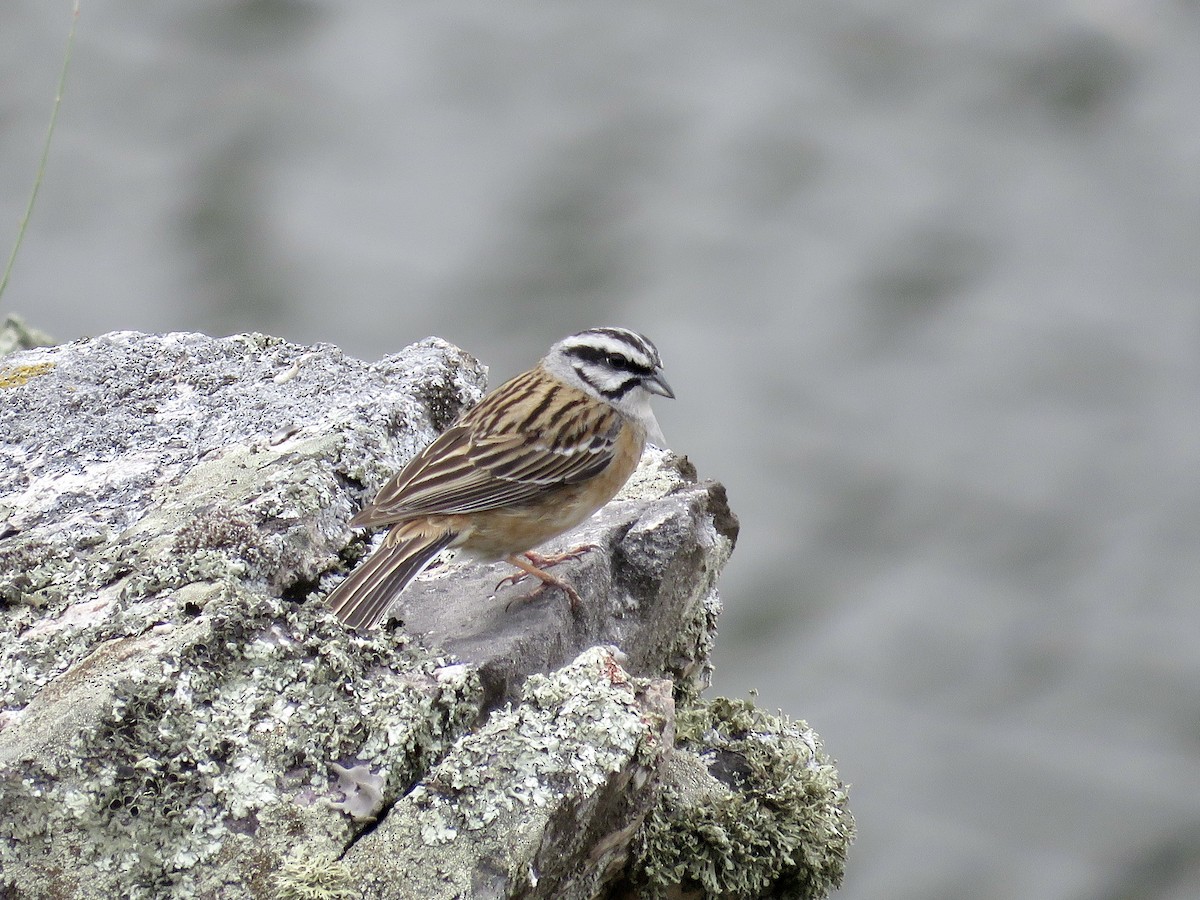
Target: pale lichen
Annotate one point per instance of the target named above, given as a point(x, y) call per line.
point(751, 806)
point(305, 878)
point(362, 791)
point(192, 749)
point(571, 730)
point(539, 801)
point(237, 719)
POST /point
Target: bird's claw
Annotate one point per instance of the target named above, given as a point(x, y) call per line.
point(537, 564)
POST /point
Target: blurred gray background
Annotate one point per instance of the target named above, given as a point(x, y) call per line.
point(925, 276)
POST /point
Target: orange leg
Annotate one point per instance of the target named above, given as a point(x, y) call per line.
point(545, 562)
point(534, 564)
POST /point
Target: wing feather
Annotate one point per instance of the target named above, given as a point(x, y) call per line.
point(528, 437)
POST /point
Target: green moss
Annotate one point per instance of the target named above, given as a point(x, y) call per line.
point(756, 807)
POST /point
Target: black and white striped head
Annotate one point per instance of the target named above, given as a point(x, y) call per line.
point(616, 365)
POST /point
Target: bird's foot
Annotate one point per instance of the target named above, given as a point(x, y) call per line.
point(535, 564)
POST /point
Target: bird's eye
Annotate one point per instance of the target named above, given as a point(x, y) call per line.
point(616, 360)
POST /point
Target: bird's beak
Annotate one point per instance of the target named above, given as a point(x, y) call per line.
point(656, 384)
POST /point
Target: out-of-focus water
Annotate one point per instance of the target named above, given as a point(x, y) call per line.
point(925, 275)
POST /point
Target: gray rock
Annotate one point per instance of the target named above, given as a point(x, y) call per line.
point(180, 715)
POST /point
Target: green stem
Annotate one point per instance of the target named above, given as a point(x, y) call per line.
point(41, 169)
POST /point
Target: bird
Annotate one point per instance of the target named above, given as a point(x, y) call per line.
point(533, 459)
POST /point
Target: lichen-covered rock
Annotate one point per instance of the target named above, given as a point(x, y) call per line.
point(171, 704)
point(541, 801)
point(180, 715)
point(749, 806)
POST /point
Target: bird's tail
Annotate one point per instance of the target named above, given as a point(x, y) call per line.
point(364, 597)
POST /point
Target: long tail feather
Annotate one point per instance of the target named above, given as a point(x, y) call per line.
point(364, 597)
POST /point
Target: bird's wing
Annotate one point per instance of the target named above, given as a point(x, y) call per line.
point(514, 447)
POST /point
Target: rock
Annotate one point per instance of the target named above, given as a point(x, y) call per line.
point(182, 716)
point(541, 801)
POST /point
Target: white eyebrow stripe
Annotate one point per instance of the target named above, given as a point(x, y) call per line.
point(606, 343)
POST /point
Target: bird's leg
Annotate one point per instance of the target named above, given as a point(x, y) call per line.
point(545, 562)
point(541, 562)
point(534, 564)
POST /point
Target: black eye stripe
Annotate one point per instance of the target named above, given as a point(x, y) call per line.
point(609, 358)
